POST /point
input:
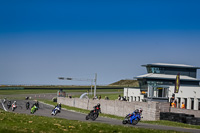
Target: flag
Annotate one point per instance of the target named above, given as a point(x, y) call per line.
point(177, 83)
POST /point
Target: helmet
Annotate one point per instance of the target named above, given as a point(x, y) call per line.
point(140, 110)
point(59, 104)
point(14, 101)
point(137, 111)
point(98, 104)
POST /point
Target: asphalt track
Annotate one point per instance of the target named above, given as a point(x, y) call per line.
point(45, 110)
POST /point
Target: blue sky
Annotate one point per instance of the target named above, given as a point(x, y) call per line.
point(41, 41)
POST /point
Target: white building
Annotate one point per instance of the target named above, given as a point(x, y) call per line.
point(159, 84)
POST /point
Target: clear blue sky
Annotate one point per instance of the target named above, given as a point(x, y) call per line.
point(40, 41)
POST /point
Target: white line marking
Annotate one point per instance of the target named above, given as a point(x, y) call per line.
point(3, 106)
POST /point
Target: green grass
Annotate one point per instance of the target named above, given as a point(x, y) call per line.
point(40, 91)
point(110, 96)
point(160, 122)
point(17, 123)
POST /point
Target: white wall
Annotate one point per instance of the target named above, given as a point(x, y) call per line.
point(133, 93)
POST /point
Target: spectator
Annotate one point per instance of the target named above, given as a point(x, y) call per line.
point(122, 98)
point(106, 98)
point(171, 99)
point(119, 97)
point(183, 105)
point(173, 104)
point(99, 97)
point(128, 99)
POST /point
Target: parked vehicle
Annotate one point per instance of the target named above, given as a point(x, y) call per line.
point(93, 115)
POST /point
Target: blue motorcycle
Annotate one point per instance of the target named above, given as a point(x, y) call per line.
point(133, 118)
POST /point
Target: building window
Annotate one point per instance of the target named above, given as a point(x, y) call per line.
point(185, 99)
point(192, 103)
point(198, 104)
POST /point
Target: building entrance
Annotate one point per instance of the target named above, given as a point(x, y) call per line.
point(158, 92)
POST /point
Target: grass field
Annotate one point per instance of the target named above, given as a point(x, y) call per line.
point(40, 91)
point(17, 123)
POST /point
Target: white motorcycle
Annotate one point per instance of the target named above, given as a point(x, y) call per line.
point(55, 111)
point(14, 106)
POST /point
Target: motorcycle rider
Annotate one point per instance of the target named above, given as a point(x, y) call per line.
point(27, 105)
point(57, 106)
point(37, 104)
point(140, 111)
point(9, 104)
point(97, 108)
point(14, 105)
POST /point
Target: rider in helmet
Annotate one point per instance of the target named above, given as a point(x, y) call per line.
point(140, 110)
point(97, 107)
point(59, 106)
point(9, 104)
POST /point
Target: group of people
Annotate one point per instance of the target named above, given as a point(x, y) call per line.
point(173, 102)
point(99, 97)
point(123, 98)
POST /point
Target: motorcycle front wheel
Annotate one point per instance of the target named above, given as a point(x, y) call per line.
point(134, 122)
point(124, 122)
point(87, 117)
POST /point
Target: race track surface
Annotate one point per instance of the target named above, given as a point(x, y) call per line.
point(45, 110)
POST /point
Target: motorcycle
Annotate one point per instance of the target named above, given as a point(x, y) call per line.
point(93, 115)
point(132, 119)
point(14, 106)
point(33, 109)
point(9, 104)
point(55, 111)
point(27, 105)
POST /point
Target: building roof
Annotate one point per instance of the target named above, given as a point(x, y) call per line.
point(165, 76)
point(171, 65)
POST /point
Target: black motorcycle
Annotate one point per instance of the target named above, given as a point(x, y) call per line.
point(27, 105)
point(93, 115)
point(9, 104)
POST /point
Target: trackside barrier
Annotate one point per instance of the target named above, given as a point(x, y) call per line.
point(151, 110)
point(180, 117)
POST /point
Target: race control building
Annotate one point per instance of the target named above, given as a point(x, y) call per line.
point(159, 84)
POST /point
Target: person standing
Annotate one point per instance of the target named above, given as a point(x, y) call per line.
point(183, 105)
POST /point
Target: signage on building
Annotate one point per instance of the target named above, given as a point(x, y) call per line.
point(177, 83)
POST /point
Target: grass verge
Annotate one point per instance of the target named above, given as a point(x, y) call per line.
point(15, 123)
